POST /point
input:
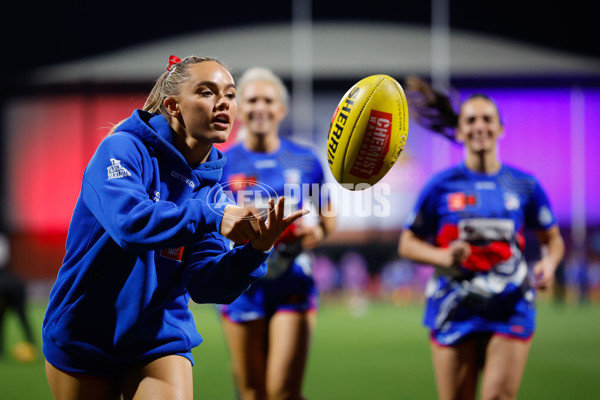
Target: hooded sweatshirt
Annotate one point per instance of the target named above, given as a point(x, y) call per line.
point(144, 239)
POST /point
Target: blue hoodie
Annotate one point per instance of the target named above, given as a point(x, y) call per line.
point(143, 240)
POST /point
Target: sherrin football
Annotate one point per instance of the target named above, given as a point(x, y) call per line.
point(367, 132)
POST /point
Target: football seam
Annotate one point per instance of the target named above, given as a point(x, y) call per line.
point(400, 111)
point(355, 123)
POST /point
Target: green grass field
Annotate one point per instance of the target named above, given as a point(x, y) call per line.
point(381, 355)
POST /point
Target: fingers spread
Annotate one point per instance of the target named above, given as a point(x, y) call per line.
point(295, 215)
point(262, 226)
point(280, 206)
point(253, 227)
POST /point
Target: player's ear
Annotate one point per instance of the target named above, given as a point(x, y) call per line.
point(172, 106)
point(501, 134)
point(284, 110)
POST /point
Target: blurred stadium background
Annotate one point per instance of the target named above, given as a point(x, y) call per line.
point(83, 68)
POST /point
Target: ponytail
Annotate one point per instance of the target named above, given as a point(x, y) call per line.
point(435, 111)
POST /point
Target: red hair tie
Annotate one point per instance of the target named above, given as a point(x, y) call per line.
point(172, 61)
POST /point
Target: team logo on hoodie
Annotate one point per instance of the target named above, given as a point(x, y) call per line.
point(174, 253)
point(116, 170)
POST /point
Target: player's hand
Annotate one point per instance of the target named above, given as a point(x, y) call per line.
point(310, 235)
point(276, 223)
point(239, 224)
point(543, 274)
point(458, 252)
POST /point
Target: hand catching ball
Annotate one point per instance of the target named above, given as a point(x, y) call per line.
point(368, 132)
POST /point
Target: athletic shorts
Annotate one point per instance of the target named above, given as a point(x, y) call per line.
point(515, 322)
point(292, 291)
point(432, 337)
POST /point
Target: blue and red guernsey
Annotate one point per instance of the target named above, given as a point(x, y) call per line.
point(249, 177)
point(293, 171)
point(491, 291)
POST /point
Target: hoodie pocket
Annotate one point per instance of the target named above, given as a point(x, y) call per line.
point(84, 323)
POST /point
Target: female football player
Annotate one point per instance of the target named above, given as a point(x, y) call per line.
point(151, 229)
point(269, 327)
point(468, 223)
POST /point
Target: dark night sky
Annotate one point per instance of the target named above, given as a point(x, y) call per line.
point(50, 32)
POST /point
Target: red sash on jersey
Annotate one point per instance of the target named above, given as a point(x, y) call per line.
point(482, 258)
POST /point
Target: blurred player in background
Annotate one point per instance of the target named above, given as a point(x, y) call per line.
point(151, 230)
point(269, 327)
point(13, 296)
point(468, 223)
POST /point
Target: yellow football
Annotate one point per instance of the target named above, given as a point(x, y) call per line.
point(24, 352)
point(367, 132)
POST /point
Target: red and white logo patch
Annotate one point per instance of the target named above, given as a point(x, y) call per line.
point(241, 181)
point(457, 201)
point(174, 253)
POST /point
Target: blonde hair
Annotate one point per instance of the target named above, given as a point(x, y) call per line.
point(169, 85)
point(261, 74)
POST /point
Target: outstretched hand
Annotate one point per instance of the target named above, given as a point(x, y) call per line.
point(310, 236)
point(239, 224)
point(276, 223)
